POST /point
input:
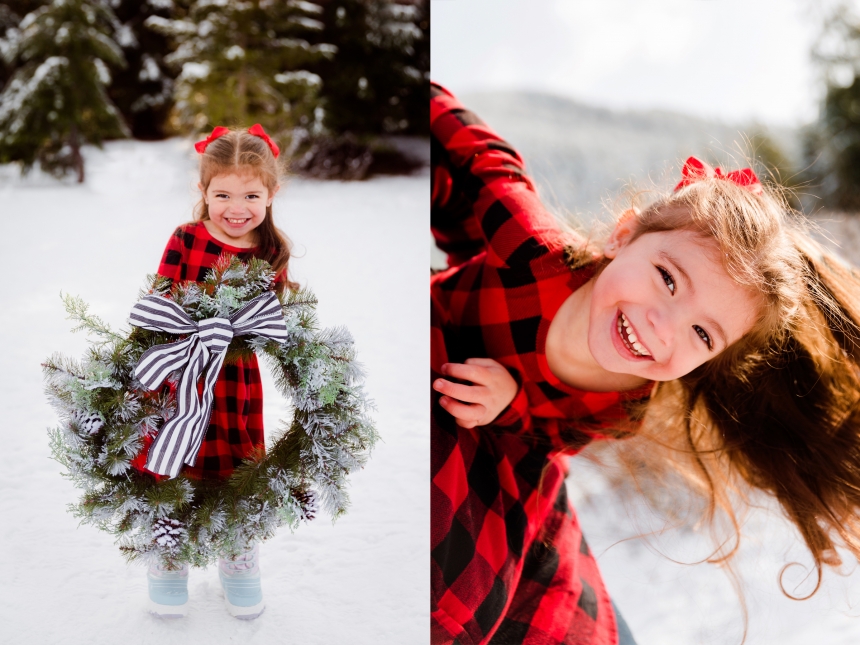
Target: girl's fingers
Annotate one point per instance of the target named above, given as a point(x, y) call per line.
point(484, 362)
point(466, 372)
point(467, 415)
point(469, 393)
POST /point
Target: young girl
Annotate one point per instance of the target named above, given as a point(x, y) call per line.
point(238, 181)
point(707, 310)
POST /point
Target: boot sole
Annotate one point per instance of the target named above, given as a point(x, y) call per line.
point(168, 611)
point(245, 613)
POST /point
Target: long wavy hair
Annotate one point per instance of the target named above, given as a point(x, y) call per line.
point(779, 410)
point(246, 154)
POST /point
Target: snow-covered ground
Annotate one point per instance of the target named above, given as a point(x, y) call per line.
point(362, 248)
point(666, 600)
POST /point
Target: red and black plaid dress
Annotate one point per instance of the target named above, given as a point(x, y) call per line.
point(509, 563)
point(236, 424)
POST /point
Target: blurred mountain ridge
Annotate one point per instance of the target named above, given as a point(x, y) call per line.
point(586, 159)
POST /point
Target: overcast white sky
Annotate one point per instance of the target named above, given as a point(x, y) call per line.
point(735, 60)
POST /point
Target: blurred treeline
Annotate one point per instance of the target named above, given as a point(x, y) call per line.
point(832, 145)
point(826, 171)
point(330, 79)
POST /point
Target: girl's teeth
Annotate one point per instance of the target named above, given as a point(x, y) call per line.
point(631, 338)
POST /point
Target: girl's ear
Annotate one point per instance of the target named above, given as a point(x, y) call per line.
point(273, 193)
point(202, 192)
point(624, 229)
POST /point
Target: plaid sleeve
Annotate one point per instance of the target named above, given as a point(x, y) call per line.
point(515, 417)
point(559, 435)
point(481, 182)
point(569, 436)
point(452, 224)
point(171, 260)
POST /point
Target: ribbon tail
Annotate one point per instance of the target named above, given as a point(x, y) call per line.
point(168, 452)
point(213, 370)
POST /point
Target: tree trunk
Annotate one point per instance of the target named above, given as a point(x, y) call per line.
point(77, 158)
point(243, 95)
point(243, 84)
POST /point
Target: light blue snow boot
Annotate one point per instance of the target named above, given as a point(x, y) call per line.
point(240, 579)
point(168, 591)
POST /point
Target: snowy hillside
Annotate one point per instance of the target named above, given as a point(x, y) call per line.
point(583, 155)
point(362, 580)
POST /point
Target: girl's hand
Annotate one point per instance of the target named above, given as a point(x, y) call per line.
point(492, 390)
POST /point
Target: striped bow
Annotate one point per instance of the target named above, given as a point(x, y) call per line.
point(202, 353)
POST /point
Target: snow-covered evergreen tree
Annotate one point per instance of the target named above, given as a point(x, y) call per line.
point(8, 33)
point(11, 12)
point(245, 62)
point(378, 81)
point(143, 90)
point(56, 100)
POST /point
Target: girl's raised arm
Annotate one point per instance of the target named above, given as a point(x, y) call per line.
point(486, 394)
point(569, 436)
point(482, 198)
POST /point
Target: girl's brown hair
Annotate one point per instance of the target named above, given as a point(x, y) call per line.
point(779, 410)
point(246, 154)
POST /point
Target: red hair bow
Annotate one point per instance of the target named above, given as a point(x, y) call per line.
point(695, 170)
point(219, 131)
point(257, 131)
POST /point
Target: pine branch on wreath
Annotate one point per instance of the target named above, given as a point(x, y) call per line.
point(105, 413)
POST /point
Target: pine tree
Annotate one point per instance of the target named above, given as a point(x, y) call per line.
point(11, 12)
point(143, 90)
point(245, 62)
point(56, 100)
point(8, 35)
point(378, 80)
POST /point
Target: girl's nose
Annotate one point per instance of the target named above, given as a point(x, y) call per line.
point(237, 207)
point(661, 324)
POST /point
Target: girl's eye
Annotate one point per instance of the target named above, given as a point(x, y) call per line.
point(704, 336)
point(253, 197)
point(668, 279)
point(220, 195)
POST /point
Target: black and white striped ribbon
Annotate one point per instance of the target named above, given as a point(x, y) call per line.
point(202, 353)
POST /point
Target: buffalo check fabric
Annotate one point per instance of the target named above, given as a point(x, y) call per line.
point(235, 428)
point(509, 564)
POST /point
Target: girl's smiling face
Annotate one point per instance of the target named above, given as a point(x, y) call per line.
point(664, 305)
point(236, 205)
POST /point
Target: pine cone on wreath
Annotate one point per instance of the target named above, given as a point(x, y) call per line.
point(167, 533)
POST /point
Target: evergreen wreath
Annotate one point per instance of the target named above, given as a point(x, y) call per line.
point(106, 412)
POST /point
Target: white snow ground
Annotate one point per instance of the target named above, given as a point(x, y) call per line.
point(362, 248)
point(668, 602)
